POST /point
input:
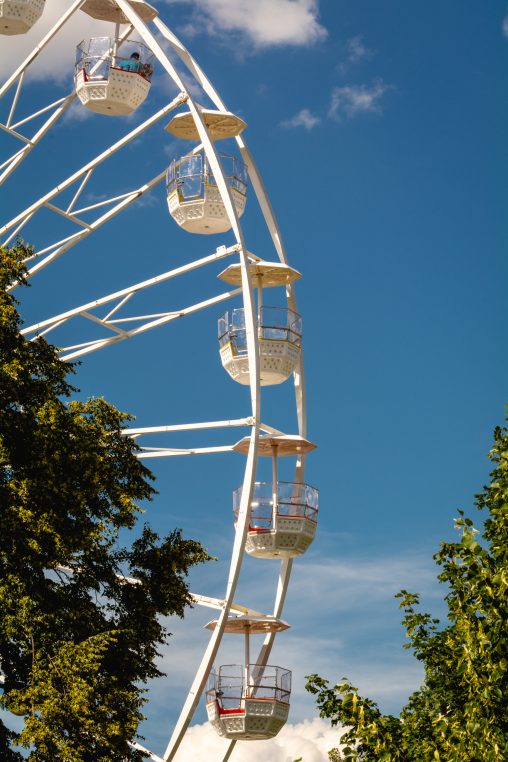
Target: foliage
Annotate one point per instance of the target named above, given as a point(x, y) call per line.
point(460, 714)
point(77, 642)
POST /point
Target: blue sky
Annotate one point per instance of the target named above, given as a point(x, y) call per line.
point(380, 133)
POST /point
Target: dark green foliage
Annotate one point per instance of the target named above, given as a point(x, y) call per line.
point(460, 714)
point(76, 640)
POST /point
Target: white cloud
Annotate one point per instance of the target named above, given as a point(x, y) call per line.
point(263, 22)
point(357, 50)
point(311, 739)
point(352, 100)
point(304, 118)
point(345, 622)
point(505, 26)
point(57, 60)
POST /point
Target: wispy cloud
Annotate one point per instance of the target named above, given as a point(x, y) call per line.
point(505, 25)
point(356, 51)
point(348, 101)
point(334, 607)
point(263, 23)
point(304, 118)
point(310, 740)
point(353, 100)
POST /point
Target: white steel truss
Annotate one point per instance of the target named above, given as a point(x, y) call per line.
point(57, 109)
point(118, 325)
point(119, 328)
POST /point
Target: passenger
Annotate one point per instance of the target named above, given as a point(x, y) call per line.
point(131, 64)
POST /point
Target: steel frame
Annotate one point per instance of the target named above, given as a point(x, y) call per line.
point(120, 298)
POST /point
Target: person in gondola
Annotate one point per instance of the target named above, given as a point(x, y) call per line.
point(131, 64)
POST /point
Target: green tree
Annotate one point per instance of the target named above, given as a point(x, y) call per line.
point(460, 714)
point(77, 641)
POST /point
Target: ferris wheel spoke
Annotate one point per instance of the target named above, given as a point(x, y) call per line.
point(15, 134)
point(40, 112)
point(172, 453)
point(102, 157)
point(60, 107)
point(122, 297)
point(137, 432)
point(19, 156)
point(60, 247)
point(11, 158)
point(166, 451)
point(92, 346)
point(15, 100)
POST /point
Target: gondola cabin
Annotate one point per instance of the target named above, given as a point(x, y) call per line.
point(110, 78)
point(195, 201)
point(279, 329)
point(248, 704)
point(283, 519)
point(279, 336)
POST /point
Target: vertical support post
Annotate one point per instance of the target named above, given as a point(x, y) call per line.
point(115, 43)
point(247, 662)
point(275, 485)
point(260, 307)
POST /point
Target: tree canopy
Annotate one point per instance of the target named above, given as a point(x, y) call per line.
point(77, 640)
point(460, 714)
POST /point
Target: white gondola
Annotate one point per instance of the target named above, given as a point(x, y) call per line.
point(280, 340)
point(283, 515)
point(194, 199)
point(249, 702)
point(283, 519)
point(252, 710)
point(279, 329)
point(112, 79)
point(18, 16)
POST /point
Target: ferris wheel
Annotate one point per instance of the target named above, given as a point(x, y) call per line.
point(260, 344)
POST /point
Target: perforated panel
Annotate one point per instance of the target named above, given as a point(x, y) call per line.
point(18, 16)
point(205, 215)
point(278, 360)
point(119, 96)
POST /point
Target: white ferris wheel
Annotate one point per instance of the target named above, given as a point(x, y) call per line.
point(259, 343)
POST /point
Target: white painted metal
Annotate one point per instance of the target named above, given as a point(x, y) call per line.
point(220, 125)
point(85, 311)
point(60, 247)
point(136, 432)
point(115, 324)
point(250, 624)
point(108, 10)
point(264, 274)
